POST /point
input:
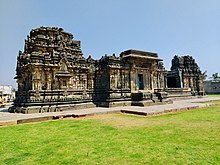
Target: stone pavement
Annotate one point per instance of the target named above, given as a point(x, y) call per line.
point(178, 105)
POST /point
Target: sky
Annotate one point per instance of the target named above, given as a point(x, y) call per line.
point(166, 27)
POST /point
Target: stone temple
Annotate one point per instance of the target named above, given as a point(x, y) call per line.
point(53, 75)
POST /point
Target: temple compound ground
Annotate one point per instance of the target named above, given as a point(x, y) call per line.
point(178, 105)
point(53, 75)
point(190, 137)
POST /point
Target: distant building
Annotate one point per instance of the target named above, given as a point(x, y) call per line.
point(212, 87)
point(7, 93)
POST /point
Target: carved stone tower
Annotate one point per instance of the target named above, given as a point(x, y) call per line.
point(52, 70)
point(185, 73)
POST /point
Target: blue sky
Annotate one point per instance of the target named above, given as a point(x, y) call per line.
point(167, 27)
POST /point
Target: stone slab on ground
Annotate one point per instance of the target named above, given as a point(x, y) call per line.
point(178, 105)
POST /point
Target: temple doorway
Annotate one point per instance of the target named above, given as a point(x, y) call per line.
point(171, 82)
point(140, 82)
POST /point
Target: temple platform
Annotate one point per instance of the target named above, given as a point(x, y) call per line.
point(7, 118)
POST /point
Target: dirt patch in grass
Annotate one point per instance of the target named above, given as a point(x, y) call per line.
point(124, 120)
point(182, 119)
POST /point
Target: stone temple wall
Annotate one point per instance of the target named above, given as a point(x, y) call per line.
point(52, 70)
point(53, 75)
point(185, 73)
point(212, 87)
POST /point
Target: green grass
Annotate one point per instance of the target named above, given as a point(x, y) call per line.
point(215, 102)
point(191, 137)
point(213, 95)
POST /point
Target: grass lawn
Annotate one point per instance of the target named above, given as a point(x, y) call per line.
point(213, 95)
point(191, 137)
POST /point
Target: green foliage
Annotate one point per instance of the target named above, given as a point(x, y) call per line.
point(215, 77)
point(190, 137)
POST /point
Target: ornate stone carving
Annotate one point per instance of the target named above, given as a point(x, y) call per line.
point(185, 73)
point(52, 71)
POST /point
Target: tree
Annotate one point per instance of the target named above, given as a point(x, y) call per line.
point(215, 77)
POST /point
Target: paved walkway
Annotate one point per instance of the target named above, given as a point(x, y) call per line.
point(17, 118)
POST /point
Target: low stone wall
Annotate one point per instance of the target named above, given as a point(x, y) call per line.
point(178, 92)
point(50, 108)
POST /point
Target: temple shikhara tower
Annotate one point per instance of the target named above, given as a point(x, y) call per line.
point(185, 75)
point(53, 75)
point(52, 71)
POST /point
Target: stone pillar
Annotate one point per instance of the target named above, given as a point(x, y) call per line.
point(158, 80)
point(180, 79)
point(136, 79)
point(165, 81)
point(148, 80)
point(33, 85)
point(151, 81)
point(191, 82)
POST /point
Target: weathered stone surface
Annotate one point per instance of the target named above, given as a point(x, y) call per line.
point(186, 74)
point(53, 75)
point(212, 87)
point(52, 72)
point(178, 105)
